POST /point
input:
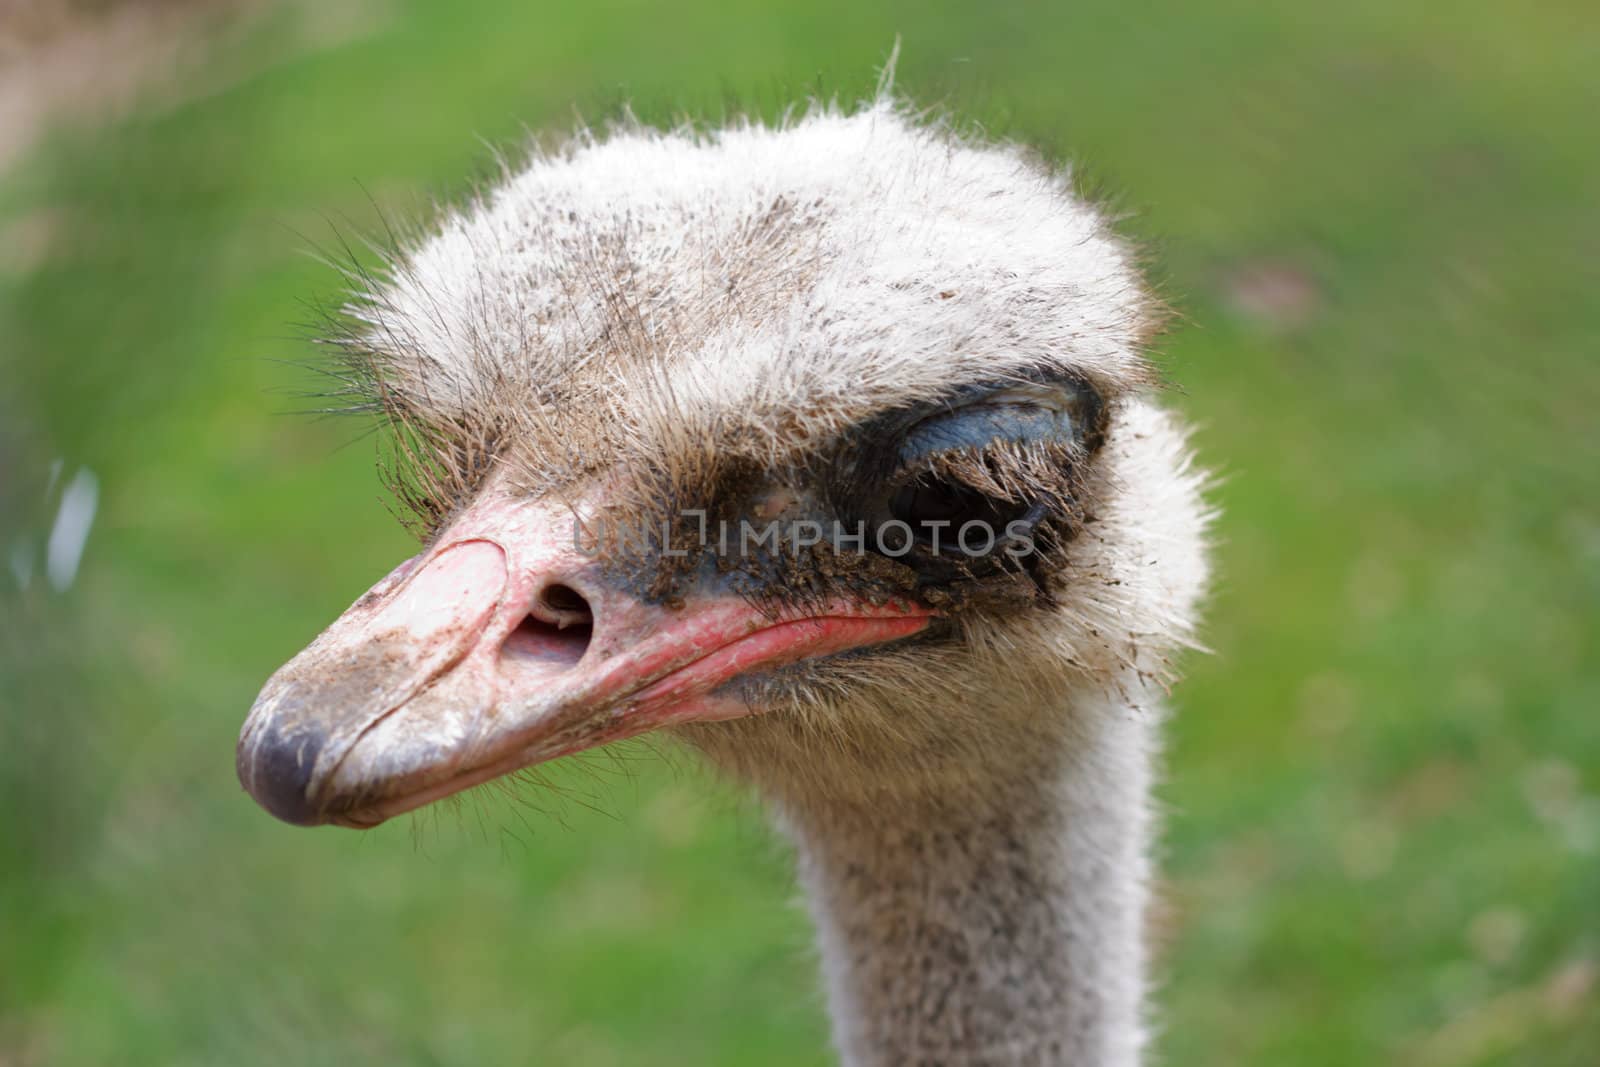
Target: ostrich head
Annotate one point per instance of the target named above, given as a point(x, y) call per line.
point(829, 448)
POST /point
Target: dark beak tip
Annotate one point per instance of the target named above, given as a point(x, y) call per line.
point(276, 771)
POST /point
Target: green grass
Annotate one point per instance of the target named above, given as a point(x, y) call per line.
point(1383, 842)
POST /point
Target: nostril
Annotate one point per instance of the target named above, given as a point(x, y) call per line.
point(556, 630)
point(566, 604)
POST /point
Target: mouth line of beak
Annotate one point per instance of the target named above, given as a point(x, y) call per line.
point(658, 698)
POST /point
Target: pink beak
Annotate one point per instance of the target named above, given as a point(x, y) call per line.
point(501, 646)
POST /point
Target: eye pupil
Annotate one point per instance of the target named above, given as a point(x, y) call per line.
point(928, 500)
point(939, 510)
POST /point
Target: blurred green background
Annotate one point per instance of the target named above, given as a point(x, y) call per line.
point(1382, 223)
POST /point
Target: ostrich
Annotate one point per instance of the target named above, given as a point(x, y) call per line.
point(830, 449)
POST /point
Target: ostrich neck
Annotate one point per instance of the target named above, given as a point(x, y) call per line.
point(1000, 925)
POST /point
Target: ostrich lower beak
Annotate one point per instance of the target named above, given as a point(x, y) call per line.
point(502, 646)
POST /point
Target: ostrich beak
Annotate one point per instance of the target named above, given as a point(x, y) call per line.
point(504, 645)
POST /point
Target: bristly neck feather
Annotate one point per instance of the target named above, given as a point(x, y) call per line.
point(1000, 925)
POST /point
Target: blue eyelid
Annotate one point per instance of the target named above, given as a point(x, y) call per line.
point(1020, 415)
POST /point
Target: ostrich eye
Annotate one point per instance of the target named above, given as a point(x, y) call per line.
point(929, 502)
point(1001, 460)
point(928, 499)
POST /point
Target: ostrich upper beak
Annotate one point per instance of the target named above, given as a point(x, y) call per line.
point(500, 646)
